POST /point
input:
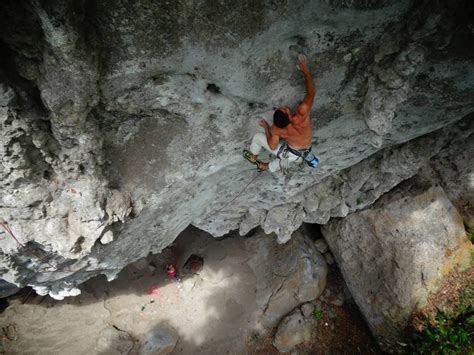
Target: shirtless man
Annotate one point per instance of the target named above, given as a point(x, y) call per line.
point(294, 128)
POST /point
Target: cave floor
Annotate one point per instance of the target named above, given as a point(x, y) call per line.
point(214, 312)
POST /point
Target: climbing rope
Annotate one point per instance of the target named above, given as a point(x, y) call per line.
point(236, 196)
point(9, 232)
point(26, 250)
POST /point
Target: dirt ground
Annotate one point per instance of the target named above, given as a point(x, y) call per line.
point(214, 312)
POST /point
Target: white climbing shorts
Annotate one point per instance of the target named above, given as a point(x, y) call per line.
point(259, 141)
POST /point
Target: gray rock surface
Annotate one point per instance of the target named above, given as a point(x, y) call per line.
point(159, 341)
point(307, 310)
point(453, 169)
point(395, 253)
point(129, 118)
point(7, 95)
point(292, 330)
point(329, 258)
point(287, 275)
point(114, 342)
point(321, 245)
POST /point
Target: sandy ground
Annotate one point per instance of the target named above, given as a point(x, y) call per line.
point(214, 312)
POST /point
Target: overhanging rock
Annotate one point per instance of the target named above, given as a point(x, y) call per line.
point(123, 122)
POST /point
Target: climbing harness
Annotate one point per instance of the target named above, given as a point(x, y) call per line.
point(307, 156)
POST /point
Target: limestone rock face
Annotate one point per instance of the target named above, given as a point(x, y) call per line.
point(395, 253)
point(123, 122)
point(453, 169)
point(287, 275)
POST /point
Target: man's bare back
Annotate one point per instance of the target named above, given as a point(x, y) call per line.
point(294, 128)
point(298, 134)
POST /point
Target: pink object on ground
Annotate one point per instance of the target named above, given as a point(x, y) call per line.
point(171, 271)
point(171, 274)
point(153, 290)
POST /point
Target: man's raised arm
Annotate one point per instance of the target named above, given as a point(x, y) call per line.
point(305, 107)
point(272, 138)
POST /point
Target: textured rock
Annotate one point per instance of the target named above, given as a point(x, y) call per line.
point(130, 117)
point(292, 330)
point(7, 95)
point(107, 237)
point(287, 275)
point(321, 245)
point(159, 342)
point(307, 310)
point(453, 169)
point(292, 217)
point(113, 341)
point(395, 253)
point(329, 258)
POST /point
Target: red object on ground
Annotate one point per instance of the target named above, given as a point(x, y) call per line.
point(153, 290)
point(193, 265)
point(171, 274)
point(171, 271)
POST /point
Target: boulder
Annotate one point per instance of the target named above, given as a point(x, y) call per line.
point(287, 275)
point(321, 245)
point(113, 341)
point(292, 330)
point(395, 254)
point(159, 341)
point(453, 169)
point(307, 309)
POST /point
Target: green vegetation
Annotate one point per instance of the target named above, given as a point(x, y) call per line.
point(318, 314)
point(449, 336)
point(470, 234)
point(453, 330)
point(465, 304)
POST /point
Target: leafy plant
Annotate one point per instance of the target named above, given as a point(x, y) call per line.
point(465, 304)
point(470, 234)
point(451, 332)
point(448, 336)
point(318, 314)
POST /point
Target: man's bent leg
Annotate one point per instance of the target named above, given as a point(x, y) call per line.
point(274, 165)
point(259, 141)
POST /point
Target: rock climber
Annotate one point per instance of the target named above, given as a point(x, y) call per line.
point(294, 128)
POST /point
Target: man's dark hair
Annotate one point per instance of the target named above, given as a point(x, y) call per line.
point(280, 119)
